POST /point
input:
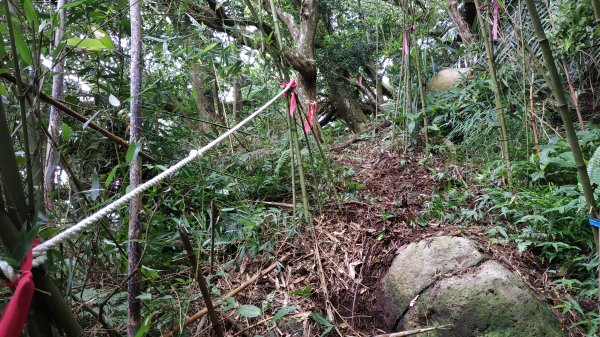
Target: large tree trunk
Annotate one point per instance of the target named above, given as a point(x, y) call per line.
point(461, 25)
point(55, 121)
point(206, 102)
point(349, 108)
point(135, 172)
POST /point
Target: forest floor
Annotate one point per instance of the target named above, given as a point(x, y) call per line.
point(337, 269)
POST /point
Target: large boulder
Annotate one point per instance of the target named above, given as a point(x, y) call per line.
point(448, 78)
point(446, 280)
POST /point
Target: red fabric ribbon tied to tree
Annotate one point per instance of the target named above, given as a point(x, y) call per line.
point(15, 313)
point(292, 85)
point(311, 112)
point(495, 26)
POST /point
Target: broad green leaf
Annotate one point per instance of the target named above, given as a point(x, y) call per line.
point(593, 167)
point(282, 312)
point(22, 47)
point(248, 311)
point(107, 42)
point(66, 132)
point(111, 176)
point(95, 186)
point(87, 43)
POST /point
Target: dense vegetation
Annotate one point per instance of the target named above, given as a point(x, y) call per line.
point(71, 100)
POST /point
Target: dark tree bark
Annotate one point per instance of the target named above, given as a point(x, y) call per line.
point(349, 108)
point(55, 120)
point(457, 18)
point(135, 172)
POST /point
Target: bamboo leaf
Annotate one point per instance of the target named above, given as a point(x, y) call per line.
point(111, 176)
point(132, 152)
point(22, 47)
point(87, 44)
point(74, 4)
point(30, 14)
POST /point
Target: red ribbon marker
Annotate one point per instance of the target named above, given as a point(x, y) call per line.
point(495, 27)
point(311, 112)
point(405, 39)
point(15, 313)
point(292, 87)
point(359, 79)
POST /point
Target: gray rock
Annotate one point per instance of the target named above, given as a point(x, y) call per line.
point(458, 285)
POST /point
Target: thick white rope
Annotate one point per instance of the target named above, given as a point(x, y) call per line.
point(39, 252)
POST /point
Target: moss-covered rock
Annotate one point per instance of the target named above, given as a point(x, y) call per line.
point(476, 296)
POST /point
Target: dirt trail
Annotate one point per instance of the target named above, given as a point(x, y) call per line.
point(385, 194)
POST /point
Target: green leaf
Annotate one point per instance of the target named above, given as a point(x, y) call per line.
point(144, 296)
point(22, 47)
point(144, 327)
point(132, 151)
point(87, 44)
point(593, 167)
point(95, 186)
point(3, 90)
point(248, 311)
point(66, 132)
point(30, 13)
point(107, 42)
point(304, 292)
point(111, 176)
point(209, 47)
point(282, 312)
point(74, 4)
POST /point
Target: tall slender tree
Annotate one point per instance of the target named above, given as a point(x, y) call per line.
point(563, 108)
point(135, 171)
point(55, 121)
point(489, 51)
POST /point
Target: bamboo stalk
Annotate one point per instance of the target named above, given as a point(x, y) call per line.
point(596, 5)
point(422, 97)
point(296, 145)
point(22, 108)
point(212, 313)
point(497, 95)
point(563, 109)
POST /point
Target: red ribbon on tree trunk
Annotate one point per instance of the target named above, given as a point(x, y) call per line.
point(311, 112)
point(15, 313)
point(292, 90)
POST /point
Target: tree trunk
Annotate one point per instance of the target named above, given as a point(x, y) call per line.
point(203, 98)
point(237, 100)
point(55, 120)
point(461, 25)
point(135, 172)
point(349, 108)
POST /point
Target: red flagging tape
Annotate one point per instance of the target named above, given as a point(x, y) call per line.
point(15, 313)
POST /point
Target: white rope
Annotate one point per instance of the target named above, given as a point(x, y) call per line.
point(39, 252)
